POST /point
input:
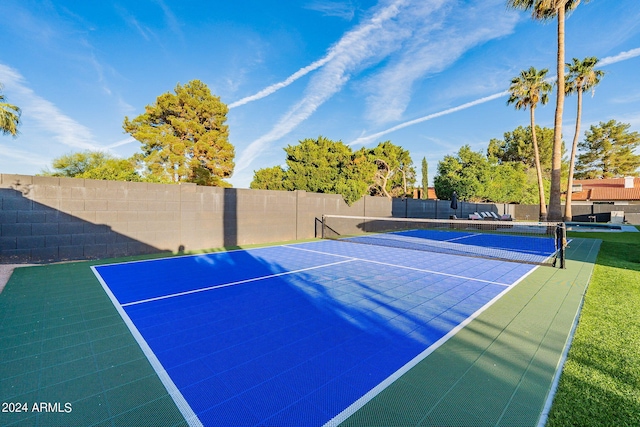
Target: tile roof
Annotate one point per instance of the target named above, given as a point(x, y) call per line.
point(611, 189)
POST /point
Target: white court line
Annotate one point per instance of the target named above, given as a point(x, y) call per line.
point(402, 266)
point(239, 282)
point(184, 407)
point(462, 237)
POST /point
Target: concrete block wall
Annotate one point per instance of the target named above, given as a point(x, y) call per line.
point(51, 219)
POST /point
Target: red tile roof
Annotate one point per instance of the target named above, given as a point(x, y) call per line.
point(611, 189)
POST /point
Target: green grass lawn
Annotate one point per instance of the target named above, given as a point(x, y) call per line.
point(600, 382)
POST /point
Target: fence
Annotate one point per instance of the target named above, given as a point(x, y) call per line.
point(52, 219)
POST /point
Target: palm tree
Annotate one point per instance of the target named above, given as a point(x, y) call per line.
point(545, 10)
point(526, 90)
point(582, 76)
point(9, 117)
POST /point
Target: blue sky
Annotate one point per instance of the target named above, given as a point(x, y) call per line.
point(428, 75)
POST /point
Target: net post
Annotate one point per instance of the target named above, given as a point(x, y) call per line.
point(562, 242)
point(322, 228)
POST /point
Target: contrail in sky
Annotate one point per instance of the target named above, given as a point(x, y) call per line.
point(369, 138)
point(623, 56)
point(353, 49)
point(277, 86)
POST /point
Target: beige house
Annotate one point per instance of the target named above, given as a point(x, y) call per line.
point(612, 191)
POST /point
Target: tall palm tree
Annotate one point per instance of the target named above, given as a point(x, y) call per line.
point(9, 117)
point(545, 10)
point(582, 76)
point(526, 90)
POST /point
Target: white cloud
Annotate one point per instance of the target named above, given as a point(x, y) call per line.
point(171, 20)
point(402, 33)
point(622, 56)
point(436, 44)
point(44, 114)
point(337, 9)
point(353, 50)
point(367, 44)
point(133, 22)
point(122, 142)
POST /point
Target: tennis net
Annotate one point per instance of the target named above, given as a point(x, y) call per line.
point(539, 243)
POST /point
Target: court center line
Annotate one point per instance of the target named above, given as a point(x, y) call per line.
point(403, 267)
point(462, 237)
point(239, 282)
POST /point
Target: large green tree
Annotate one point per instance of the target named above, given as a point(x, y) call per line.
point(394, 170)
point(546, 10)
point(582, 76)
point(9, 116)
point(321, 166)
point(517, 146)
point(608, 151)
point(94, 165)
point(467, 173)
point(325, 166)
point(526, 91)
point(477, 178)
point(511, 182)
point(184, 137)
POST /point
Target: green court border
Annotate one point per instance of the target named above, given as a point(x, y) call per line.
point(62, 341)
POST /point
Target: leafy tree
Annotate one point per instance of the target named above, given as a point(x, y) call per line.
point(425, 178)
point(511, 182)
point(9, 117)
point(269, 179)
point(545, 10)
point(582, 76)
point(114, 170)
point(394, 170)
point(517, 146)
point(324, 166)
point(466, 173)
point(608, 152)
point(184, 138)
point(94, 165)
point(526, 90)
point(478, 178)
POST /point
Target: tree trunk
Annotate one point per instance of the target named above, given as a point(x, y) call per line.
point(404, 182)
point(555, 209)
point(536, 153)
point(385, 178)
point(568, 214)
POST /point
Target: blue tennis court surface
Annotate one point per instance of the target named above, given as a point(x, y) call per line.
point(296, 335)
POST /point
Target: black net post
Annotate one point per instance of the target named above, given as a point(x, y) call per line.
point(561, 236)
